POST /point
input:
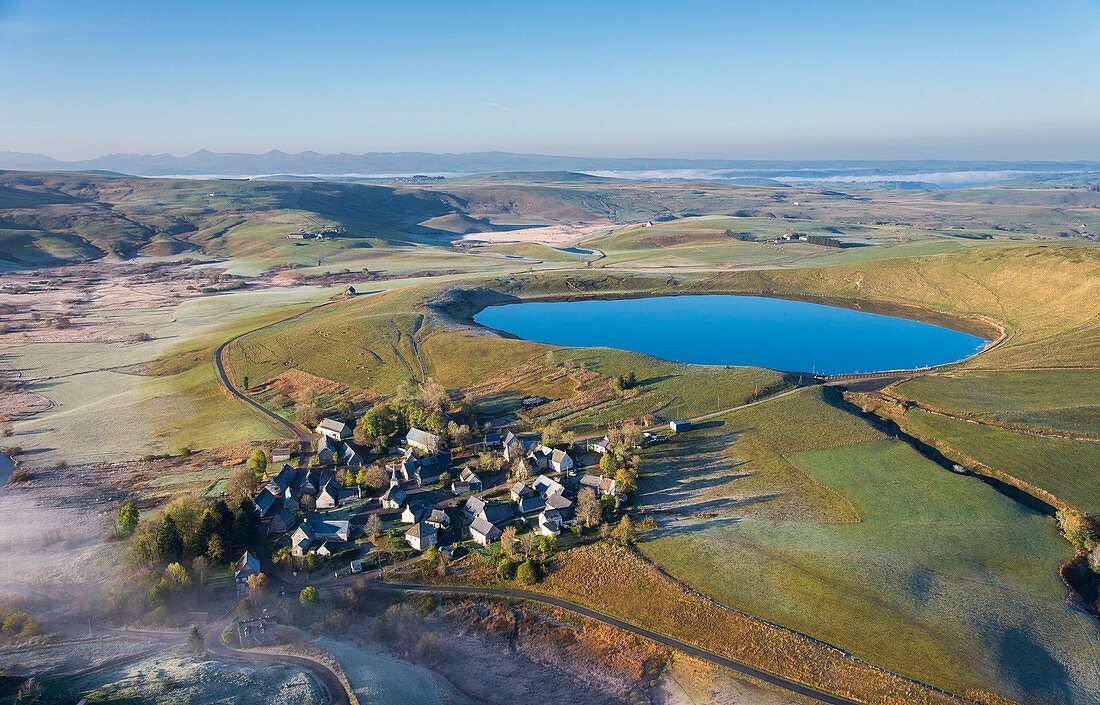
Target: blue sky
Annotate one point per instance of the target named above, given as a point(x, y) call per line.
point(785, 80)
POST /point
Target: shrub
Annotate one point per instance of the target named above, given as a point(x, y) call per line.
point(527, 573)
point(308, 595)
point(1077, 530)
point(18, 476)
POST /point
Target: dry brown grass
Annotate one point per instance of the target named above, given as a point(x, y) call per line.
point(619, 582)
point(612, 579)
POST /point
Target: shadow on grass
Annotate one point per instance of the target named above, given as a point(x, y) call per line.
point(1034, 672)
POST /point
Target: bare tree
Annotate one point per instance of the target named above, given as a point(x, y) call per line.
point(588, 507)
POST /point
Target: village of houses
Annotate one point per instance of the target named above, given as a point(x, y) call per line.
point(432, 499)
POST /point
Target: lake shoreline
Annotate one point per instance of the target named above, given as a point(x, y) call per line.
point(738, 330)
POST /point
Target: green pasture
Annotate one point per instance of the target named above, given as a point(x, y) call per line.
point(1059, 400)
point(937, 576)
point(1068, 469)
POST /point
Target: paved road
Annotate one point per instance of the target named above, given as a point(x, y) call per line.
point(707, 416)
point(305, 438)
point(337, 694)
point(724, 662)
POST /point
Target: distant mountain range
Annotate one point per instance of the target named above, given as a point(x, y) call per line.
point(275, 162)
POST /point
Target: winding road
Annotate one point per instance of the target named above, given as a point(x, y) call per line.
point(305, 438)
point(337, 692)
point(709, 656)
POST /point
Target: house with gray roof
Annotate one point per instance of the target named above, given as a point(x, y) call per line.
point(484, 532)
point(601, 446)
point(519, 491)
point(680, 425)
point(473, 506)
point(497, 513)
point(514, 446)
point(349, 457)
point(530, 503)
point(423, 441)
point(547, 486)
point(326, 449)
point(560, 461)
point(329, 494)
point(315, 531)
point(247, 566)
point(280, 522)
point(416, 511)
point(602, 485)
point(467, 481)
point(331, 428)
point(283, 479)
point(421, 536)
point(561, 504)
point(267, 502)
point(549, 523)
point(394, 497)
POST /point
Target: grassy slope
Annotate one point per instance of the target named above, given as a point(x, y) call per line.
point(1066, 468)
point(1063, 402)
point(1044, 294)
point(941, 578)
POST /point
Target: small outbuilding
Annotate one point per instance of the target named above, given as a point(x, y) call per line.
point(680, 425)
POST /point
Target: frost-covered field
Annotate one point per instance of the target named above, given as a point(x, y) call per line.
point(173, 678)
point(378, 679)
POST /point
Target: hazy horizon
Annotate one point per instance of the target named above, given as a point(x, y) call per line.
point(861, 81)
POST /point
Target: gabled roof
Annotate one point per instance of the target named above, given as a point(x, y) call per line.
point(474, 505)
point(438, 461)
point(483, 527)
point(325, 443)
point(468, 475)
point(521, 490)
point(334, 426)
point(395, 493)
point(327, 528)
point(604, 484)
point(438, 516)
point(559, 455)
point(547, 485)
point(267, 502)
point(497, 512)
point(284, 478)
point(284, 515)
point(422, 438)
point(332, 489)
point(548, 515)
point(530, 504)
point(417, 509)
point(558, 501)
point(349, 455)
point(248, 564)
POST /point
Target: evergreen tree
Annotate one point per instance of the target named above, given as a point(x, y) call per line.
point(246, 520)
point(195, 643)
point(169, 541)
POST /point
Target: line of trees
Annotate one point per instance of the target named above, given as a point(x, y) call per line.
point(743, 237)
point(823, 241)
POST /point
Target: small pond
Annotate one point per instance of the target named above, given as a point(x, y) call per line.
point(783, 335)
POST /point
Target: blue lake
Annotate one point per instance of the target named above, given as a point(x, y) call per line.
point(739, 330)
